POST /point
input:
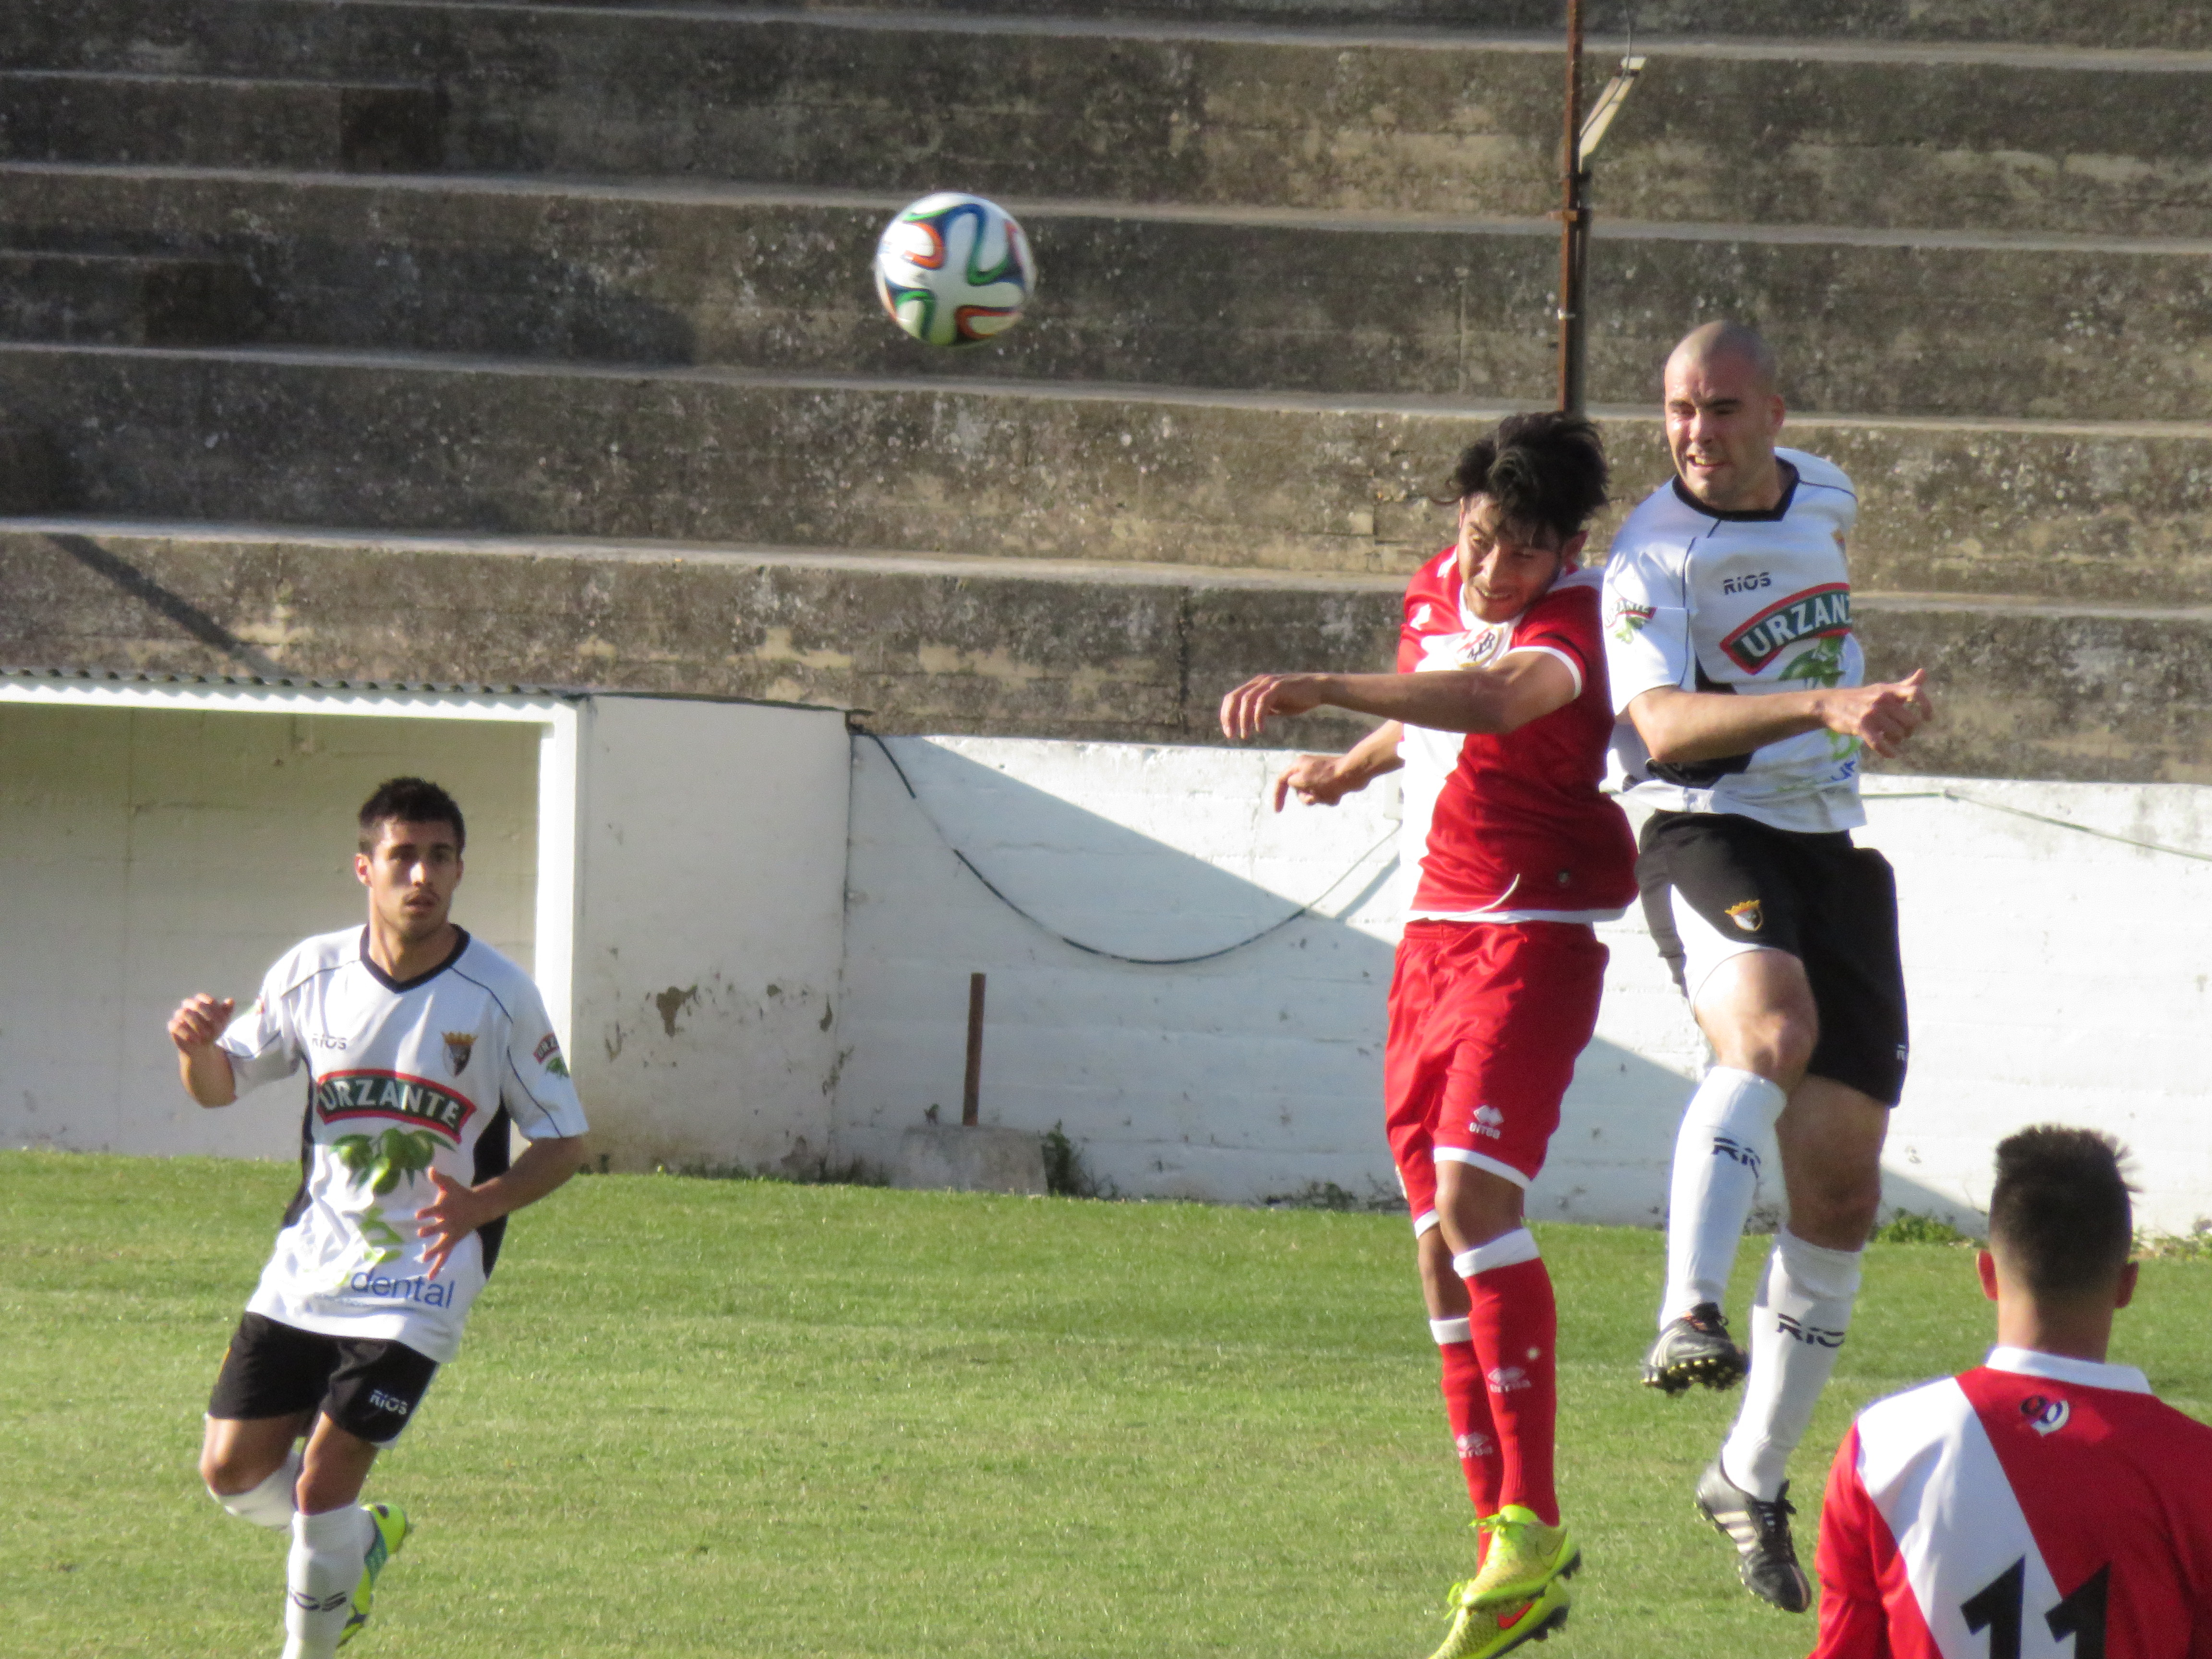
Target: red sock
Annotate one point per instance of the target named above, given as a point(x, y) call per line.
point(1516, 1329)
point(1467, 1403)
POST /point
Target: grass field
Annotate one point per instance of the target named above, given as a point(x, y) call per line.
point(739, 1418)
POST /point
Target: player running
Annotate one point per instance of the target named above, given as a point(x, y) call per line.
point(1729, 642)
point(1500, 714)
point(2045, 1502)
point(422, 1046)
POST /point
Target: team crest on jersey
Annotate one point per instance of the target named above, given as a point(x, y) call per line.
point(1748, 916)
point(460, 1045)
point(1822, 612)
point(548, 1054)
point(1628, 620)
point(2045, 1416)
point(343, 1095)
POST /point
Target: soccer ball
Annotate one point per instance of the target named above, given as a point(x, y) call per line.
point(954, 269)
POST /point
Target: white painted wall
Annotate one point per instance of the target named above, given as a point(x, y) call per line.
point(708, 930)
point(1240, 1079)
point(147, 854)
point(2054, 976)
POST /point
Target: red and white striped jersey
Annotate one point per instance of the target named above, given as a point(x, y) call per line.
point(2037, 1508)
point(1513, 828)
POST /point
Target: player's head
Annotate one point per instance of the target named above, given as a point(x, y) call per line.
point(2060, 1220)
point(1724, 413)
point(1526, 495)
point(409, 854)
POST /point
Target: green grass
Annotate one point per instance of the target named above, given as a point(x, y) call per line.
point(737, 1418)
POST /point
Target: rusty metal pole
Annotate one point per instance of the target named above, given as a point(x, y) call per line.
point(1573, 228)
point(971, 1093)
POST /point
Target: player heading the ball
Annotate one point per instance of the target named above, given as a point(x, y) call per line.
point(1729, 636)
point(2045, 1501)
point(422, 1046)
point(1500, 714)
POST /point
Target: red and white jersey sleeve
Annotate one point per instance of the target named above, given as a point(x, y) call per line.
point(2037, 1508)
point(1513, 828)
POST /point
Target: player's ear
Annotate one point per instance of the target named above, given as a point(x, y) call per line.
point(361, 868)
point(1985, 1265)
point(2127, 1290)
point(1570, 551)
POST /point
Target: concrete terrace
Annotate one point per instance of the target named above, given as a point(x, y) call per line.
point(425, 340)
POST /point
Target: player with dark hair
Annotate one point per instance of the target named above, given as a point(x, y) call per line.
point(422, 1047)
point(1736, 670)
point(1499, 713)
point(2044, 1503)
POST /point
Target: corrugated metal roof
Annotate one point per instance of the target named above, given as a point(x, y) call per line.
point(252, 682)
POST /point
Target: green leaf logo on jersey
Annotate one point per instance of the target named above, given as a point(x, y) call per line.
point(1628, 621)
point(384, 1161)
point(1822, 666)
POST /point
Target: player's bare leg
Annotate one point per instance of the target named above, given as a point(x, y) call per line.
point(339, 1547)
point(1830, 1138)
point(251, 1466)
point(1519, 1594)
point(1756, 1009)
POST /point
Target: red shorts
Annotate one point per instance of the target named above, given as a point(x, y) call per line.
point(1486, 1021)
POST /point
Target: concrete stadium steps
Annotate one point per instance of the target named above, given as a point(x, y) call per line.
point(214, 120)
point(919, 643)
point(2046, 511)
point(1873, 322)
point(125, 299)
point(2114, 23)
point(1995, 138)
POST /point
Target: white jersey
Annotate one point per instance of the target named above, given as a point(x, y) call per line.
point(1748, 603)
point(404, 1077)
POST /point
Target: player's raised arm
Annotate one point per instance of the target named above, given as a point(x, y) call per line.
point(1325, 780)
point(205, 1069)
point(1683, 726)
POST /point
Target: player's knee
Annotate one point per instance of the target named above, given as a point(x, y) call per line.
point(1836, 1213)
point(1777, 1043)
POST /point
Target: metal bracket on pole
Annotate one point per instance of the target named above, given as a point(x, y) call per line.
point(1581, 141)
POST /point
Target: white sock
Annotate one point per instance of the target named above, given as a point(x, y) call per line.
point(269, 1503)
point(327, 1552)
point(1797, 1325)
point(1449, 1331)
point(1506, 1250)
point(1717, 1153)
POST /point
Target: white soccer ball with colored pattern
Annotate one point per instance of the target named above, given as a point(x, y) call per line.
point(954, 269)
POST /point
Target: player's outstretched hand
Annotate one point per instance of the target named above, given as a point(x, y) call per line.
point(1881, 716)
point(198, 1021)
point(1319, 780)
point(457, 1212)
point(1245, 709)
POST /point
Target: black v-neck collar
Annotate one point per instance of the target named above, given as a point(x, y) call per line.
point(397, 986)
point(1748, 515)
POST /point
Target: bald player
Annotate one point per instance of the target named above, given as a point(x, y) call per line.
point(1727, 610)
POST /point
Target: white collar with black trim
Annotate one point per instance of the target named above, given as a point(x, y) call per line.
point(2061, 1368)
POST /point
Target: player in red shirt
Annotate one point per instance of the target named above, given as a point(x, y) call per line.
point(2044, 1503)
point(1500, 714)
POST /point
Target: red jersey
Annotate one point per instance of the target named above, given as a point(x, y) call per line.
point(1513, 828)
point(2038, 1507)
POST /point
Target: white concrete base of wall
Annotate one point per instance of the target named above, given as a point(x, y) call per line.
point(973, 1158)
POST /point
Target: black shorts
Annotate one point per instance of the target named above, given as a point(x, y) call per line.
point(368, 1387)
point(1715, 884)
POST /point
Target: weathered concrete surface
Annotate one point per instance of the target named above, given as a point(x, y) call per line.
point(173, 119)
point(2119, 514)
point(965, 645)
point(146, 25)
point(2025, 142)
point(119, 298)
point(662, 274)
point(979, 1158)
